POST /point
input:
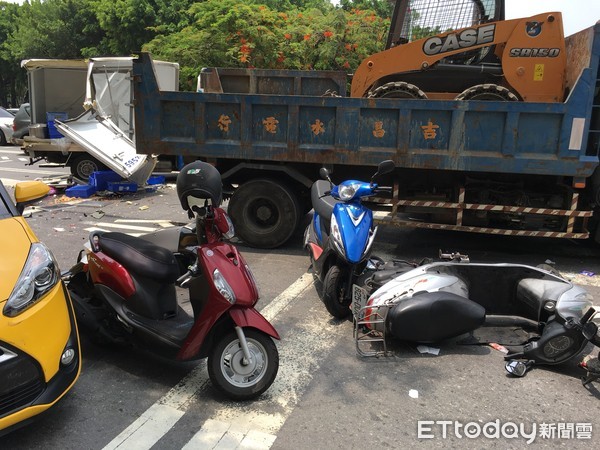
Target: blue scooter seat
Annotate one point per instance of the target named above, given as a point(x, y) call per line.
point(322, 203)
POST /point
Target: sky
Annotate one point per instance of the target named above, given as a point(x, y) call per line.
point(577, 14)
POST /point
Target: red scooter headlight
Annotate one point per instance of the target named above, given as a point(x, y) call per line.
point(223, 286)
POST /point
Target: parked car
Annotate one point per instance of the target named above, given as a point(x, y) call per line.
point(6, 124)
point(21, 122)
point(39, 345)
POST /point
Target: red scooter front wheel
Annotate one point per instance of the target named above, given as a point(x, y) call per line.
point(239, 379)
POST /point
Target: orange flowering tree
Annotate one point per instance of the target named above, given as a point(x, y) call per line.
point(231, 33)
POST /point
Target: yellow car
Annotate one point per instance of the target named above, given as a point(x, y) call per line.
point(39, 345)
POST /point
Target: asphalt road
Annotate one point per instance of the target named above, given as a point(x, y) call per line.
point(325, 396)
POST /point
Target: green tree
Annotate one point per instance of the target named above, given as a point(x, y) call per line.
point(128, 24)
point(54, 29)
point(383, 8)
point(12, 80)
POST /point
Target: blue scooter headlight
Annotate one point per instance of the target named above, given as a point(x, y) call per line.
point(347, 191)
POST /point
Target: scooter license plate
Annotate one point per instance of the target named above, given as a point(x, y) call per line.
point(359, 300)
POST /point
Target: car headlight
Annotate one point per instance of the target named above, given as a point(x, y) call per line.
point(337, 236)
point(347, 192)
point(39, 275)
point(223, 286)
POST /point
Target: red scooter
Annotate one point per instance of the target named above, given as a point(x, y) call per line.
point(124, 290)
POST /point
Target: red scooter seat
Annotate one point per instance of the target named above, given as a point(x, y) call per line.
point(140, 256)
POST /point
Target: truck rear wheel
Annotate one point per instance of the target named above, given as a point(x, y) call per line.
point(265, 213)
point(82, 166)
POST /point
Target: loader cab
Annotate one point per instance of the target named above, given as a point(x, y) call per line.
point(416, 19)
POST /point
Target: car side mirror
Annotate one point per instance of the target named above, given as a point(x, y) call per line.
point(27, 192)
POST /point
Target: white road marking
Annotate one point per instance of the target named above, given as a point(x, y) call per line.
point(122, 226)
point(6, 158)
point(162, 223)
point(243, 425)
point(9, 182)
point(89, 230)
point(30, 171)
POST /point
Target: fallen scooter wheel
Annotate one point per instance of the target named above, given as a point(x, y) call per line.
point(334, 293)
point(233, 376)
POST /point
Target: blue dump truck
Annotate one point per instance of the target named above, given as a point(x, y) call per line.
point(498, 167)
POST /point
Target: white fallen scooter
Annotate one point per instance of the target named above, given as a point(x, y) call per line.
point(448, 298)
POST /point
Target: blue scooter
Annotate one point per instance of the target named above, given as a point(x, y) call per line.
point(341, 234)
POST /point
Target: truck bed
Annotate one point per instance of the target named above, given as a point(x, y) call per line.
point(435, 139)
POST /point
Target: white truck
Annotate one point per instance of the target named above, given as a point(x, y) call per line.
point(67, 89)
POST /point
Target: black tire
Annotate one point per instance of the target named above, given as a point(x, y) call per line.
point(265, 213)
point(82, 166)
point(231, 377)
point(397, 89)
point(335, 298)
point(2, 139)
point(488, 92)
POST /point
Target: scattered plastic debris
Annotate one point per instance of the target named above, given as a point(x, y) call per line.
point(144, 208)
point(587, 273)
point(98, 214)
point(413, 393)
point(58, 229)
point(500, 348)
point(427, 349)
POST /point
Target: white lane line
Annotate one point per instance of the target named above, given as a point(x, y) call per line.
point(5, 158)
point(159, 222)
point(30, 171)
point(89, 230)
point(160, 417)
point(125, 227)
point(9, 182)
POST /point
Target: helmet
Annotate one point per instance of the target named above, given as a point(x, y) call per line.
point(199, 180)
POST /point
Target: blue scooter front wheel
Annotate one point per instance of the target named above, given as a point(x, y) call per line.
point(335, 296)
